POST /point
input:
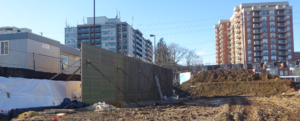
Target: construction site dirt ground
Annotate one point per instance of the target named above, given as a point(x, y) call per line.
point(219, 109)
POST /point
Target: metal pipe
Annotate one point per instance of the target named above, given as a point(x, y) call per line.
point(64, 69)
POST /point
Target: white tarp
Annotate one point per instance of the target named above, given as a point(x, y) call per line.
point(25, 93)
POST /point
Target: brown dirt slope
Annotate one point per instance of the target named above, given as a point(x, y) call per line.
point(235, 82)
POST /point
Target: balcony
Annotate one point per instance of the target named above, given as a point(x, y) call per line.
point(82, 36)
point(216, 32)
point(257, 60)
point(257, 54)
point(257, 43)
point(221, 50)
point(97, 36)
point(257, 49)
point(256, 20)
point(256, 37)
point(281, 59)
point(280, 13)
point(256, 25)
point(254, 8)
point(238, 42)
point(281, 36)
point(280, 7)
point(282, 42)
point(83, 30)
point(256, 14)
point(282, 48)
point(282, 53)
point(237, 15)
point(237, 26)
point(281, 24)
point(281, 30)
point(256, 31)
point(237, 21)
point(281, 19)
point(237, 36)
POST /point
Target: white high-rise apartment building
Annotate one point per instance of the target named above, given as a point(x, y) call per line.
point(110, 34)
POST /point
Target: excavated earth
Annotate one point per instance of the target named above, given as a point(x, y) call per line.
point(210, 109)
point(236, 82)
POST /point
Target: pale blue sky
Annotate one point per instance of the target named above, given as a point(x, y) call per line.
point(186, 22)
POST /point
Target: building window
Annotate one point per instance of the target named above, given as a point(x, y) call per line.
point(249, 58)
point(273, 57)
point(273, 46)
point(288, 28)
point(273, 40)
point(265, 52)
point(288, 23)
point(289, 40)
point(249, 35)
point(286, 73)
point(64, 62)
point(288, 17)
point(248, 24)
point(4, 47)
point(264, 24)
point(264, 30)
point(266, 58)
point(272, 23)
point(289, 46)
point(271, 12)
point(249, 47)
point(273, 52)
point(265, 40)
point(290, 57)
point(288, 34)
point(264, 18)
point(112, 49)
point(105, 27)
point(248, 18)
point(263, 12)
point(272, 34)
point(264, 35)
point(248, 30)
point(281, 73)
point(249, 53)
point(287, 11)
point(248, 12)
point(249, 41)
point(265, 46)
point(289, 51)
point(272, 29)
point(272, 18)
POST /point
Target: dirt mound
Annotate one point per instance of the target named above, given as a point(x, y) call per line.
point(230, 75)
point(235, 82)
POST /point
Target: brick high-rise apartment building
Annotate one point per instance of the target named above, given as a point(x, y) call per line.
point(256, 32)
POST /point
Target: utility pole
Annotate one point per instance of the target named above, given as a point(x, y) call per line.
point(94, 26)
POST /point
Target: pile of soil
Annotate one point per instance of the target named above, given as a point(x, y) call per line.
point(236, 82)
point(231, 75)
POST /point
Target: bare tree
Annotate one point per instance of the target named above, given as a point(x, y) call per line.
point(192, 59)
point(177, 53)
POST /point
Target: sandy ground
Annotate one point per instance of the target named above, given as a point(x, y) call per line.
point(218, 109)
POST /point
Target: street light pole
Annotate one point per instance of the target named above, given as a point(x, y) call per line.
point(152, 35)
point(94, 25)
